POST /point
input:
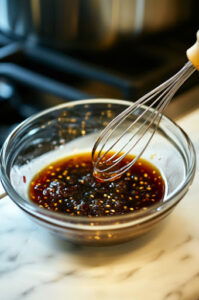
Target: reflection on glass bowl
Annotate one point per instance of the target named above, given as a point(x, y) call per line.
point(73, 128)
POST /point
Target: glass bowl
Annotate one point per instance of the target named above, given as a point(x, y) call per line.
point(73, 128)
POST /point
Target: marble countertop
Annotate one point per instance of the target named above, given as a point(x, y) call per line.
point(163, 265)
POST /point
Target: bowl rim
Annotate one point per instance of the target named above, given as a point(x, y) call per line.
point(135, 217)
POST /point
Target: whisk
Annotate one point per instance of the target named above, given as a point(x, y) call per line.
point(135, 126)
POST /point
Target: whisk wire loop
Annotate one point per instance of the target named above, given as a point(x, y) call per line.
point(151, 105)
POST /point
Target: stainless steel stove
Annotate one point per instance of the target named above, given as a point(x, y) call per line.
point(33, 77)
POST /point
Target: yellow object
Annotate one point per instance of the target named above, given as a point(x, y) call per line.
point(193, 53)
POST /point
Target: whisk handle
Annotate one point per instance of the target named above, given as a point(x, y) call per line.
point(193, 53)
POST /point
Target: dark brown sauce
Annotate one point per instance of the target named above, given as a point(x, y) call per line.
point(68, 186)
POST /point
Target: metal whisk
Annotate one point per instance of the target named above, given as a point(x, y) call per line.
point(135, 126)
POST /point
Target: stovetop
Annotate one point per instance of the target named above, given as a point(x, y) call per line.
point(33, 78)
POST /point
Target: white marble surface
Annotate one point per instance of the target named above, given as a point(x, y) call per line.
point(163, 265)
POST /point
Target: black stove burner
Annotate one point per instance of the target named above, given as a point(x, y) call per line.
point(33, 78)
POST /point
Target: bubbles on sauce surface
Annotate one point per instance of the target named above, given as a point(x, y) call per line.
point(68, 186)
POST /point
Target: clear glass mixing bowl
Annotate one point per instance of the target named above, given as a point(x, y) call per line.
point(72, 128)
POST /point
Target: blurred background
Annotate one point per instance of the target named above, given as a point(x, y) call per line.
point(53, 51)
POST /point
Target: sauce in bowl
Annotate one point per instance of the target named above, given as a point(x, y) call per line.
point(68, 186)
